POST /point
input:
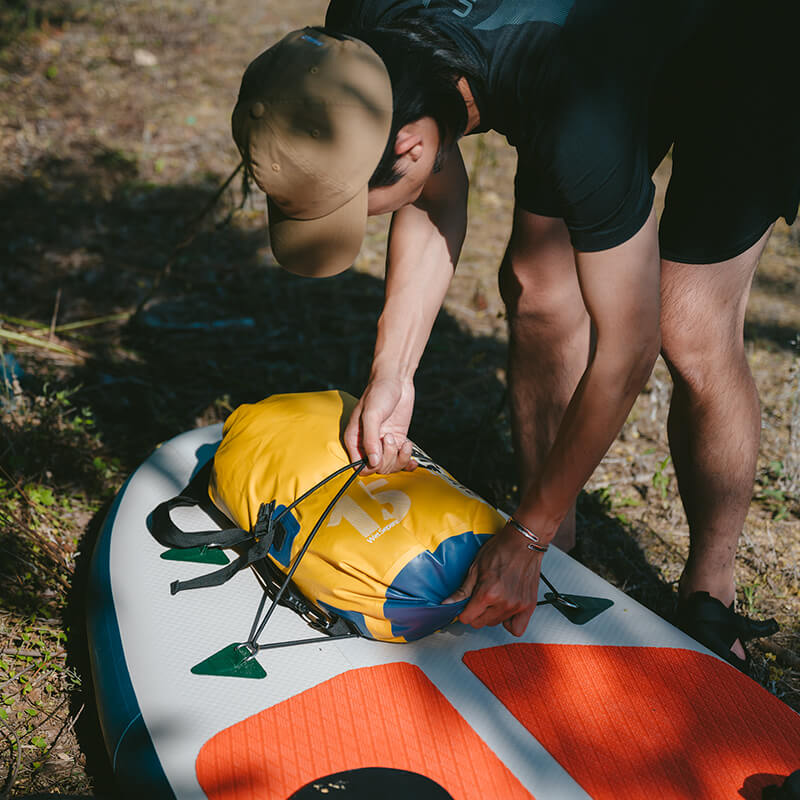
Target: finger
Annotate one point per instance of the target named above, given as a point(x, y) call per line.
point(518, 624)
point(480, 610)
point(351, 436)
point(465, 590)
point(487, 618)
point(404, 457)
point(488, 607)
point(389, 458)
point(370, 437)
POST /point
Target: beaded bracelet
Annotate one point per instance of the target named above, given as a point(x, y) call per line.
point(533, 543)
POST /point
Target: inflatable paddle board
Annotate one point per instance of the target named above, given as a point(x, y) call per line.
point(622, 705)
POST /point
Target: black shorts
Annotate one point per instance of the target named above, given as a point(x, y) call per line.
point(727, 105)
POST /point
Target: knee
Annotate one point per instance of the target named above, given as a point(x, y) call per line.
point(701, 360)
point(538, 298)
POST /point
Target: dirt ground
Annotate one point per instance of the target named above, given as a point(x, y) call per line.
point(116, 333)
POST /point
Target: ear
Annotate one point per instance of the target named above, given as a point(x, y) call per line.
point(409, 141)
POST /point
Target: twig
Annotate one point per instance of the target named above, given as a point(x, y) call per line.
point(33, 341)
point(45, 719)
point(16, 677)
point(54, 318)
point(120, 316)
point(68, 726)
point(87, 323)
point(12, 777)
point(784, 654)
point(24, 323)
point(30, 653)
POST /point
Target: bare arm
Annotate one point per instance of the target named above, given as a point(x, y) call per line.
point(620, 288)
point(424, 245)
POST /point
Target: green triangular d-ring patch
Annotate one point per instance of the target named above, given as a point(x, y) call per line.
point(197, 555)
point(233, 661)
point(590, 607)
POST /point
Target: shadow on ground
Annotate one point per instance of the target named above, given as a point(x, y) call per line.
point(225, 327)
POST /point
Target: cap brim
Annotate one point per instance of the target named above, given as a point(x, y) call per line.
point(319, 248)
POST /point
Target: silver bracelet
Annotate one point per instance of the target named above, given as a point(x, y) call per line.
point(533, 539)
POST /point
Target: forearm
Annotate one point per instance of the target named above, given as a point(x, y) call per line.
point(424, 244)
point(593, 418)
point(621, 292)
point(418, 272)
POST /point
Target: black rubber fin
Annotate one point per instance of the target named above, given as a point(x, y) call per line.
point(588, 607)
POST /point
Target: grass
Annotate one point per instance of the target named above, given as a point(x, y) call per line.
point(54, 474)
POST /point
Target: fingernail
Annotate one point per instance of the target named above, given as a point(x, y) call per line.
point(373, 459)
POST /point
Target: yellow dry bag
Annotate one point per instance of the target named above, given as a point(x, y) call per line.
point(391, 548)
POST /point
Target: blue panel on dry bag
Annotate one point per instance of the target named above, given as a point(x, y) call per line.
point(291, 527)
point(414, 598)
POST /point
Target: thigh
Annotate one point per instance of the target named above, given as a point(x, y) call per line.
point(703, 307)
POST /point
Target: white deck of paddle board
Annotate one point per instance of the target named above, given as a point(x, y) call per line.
point(164, 636)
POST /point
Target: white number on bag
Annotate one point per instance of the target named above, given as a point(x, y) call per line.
point(398, 501)
point(347, 509)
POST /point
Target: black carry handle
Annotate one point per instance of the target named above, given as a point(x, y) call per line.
point(260, 540)
point(167, 533)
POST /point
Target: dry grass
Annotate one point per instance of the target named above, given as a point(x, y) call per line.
point(106, 163)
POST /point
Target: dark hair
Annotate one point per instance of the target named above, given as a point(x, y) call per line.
point(424, 67)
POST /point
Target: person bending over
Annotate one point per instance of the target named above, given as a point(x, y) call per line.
point(363, 116)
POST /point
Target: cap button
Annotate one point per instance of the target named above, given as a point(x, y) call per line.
point(256, 110)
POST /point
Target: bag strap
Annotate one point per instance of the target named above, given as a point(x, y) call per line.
point(266, 531)
point(167, 533)
point(260, 539)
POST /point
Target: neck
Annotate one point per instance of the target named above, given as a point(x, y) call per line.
point(473, 115)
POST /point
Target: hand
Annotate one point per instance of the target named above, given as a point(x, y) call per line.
point(502, 582)
point(378, 426)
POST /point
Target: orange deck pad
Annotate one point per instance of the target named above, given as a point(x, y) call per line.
point(385, 716)
point(636, 722)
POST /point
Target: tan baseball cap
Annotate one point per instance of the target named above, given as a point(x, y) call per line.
point(312, 121)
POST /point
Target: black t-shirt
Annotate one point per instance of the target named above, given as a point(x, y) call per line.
point(568, 82)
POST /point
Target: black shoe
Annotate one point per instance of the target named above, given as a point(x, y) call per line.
point(790, 790)
point(718, 626)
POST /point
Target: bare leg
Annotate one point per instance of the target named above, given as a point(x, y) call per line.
point(549, 332)
point(714, 420)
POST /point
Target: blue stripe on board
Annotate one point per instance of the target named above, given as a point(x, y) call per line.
point(135, 763)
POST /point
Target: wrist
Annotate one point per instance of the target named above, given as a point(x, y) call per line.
point(534, 541)
point(535, 514)
point(533, 529)
point(385, 367)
